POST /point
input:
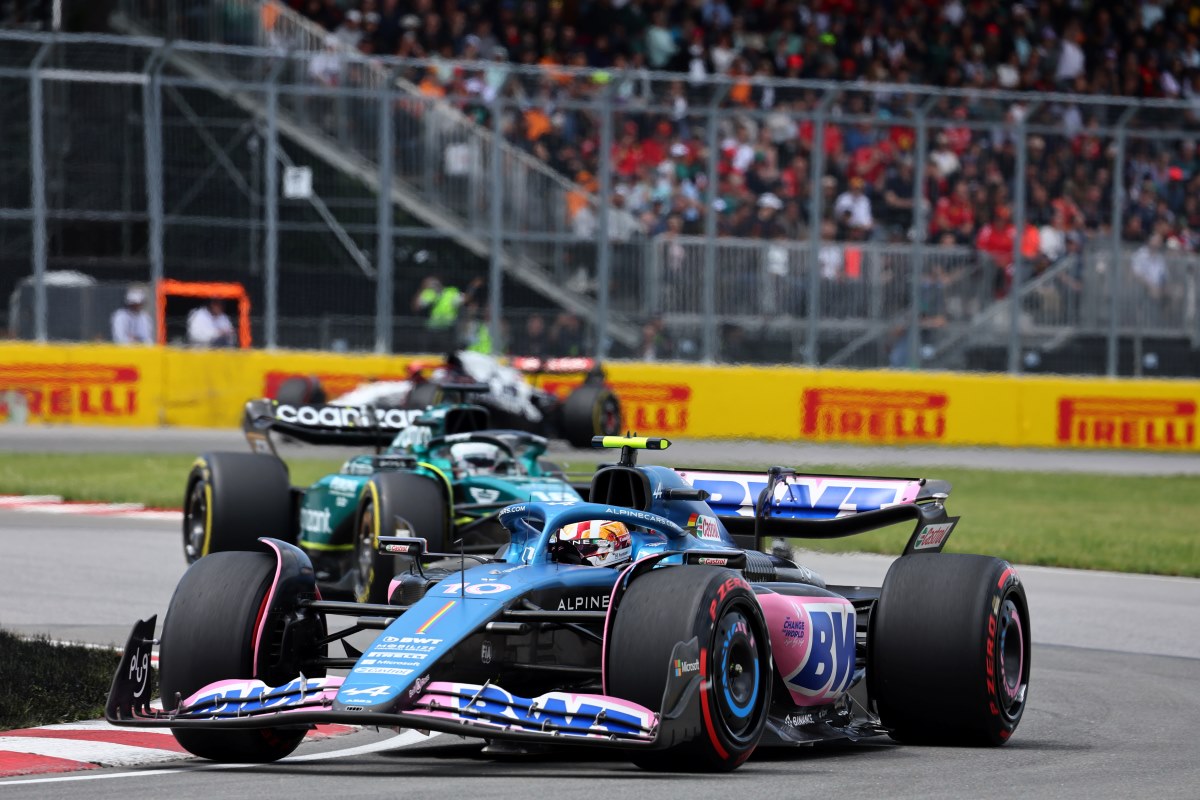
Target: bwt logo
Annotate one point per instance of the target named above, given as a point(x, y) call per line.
point(801, 496)
point(1127, 422)
point(827, 667)
point(874, 415)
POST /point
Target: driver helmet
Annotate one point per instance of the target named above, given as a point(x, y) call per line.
point(478, 458)
point(601, 543)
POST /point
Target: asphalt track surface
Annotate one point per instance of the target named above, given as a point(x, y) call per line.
point(1114, 700)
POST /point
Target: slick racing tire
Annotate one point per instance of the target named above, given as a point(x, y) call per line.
point(420, 501)
point(208, 636)
point(301, 390)
point(716, 607)
point(949, 648)
point(231, 500)
point(590, 411)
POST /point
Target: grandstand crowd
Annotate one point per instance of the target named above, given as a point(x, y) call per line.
point(1141, 49)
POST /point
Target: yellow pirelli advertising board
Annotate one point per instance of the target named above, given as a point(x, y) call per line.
point(106, 384)
point(83, 384)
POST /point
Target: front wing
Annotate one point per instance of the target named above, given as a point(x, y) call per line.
point(480, 711)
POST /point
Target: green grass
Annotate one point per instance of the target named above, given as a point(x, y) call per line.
point(1128, 524)
point(156, 481)
point(46, 683)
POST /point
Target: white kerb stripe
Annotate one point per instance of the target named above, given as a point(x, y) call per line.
point(104, 753)
point(399, 740)
point(102, 725)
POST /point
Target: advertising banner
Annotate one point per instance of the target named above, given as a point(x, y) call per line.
point(85, 385)
point(106, 384)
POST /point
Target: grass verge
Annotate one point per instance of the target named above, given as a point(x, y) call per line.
point(1127, 524)
point(46, 683)
point(155, 480)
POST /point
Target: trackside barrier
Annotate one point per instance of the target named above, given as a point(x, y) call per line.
point(105, 384)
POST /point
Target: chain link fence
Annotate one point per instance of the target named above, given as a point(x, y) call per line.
point(749, 221)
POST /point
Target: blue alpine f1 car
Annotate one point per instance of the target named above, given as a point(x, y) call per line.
point(641, 618)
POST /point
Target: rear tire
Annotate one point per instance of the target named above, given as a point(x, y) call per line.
point(301, 390)
point(591, 410)
point(423, 395)
point(950, 650)
point(717, 607)
point(416, 498)
point(231, 500)
point(208, 635)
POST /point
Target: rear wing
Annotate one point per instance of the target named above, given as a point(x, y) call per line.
point(782, 503)
point(562, 365)
point(357, 426)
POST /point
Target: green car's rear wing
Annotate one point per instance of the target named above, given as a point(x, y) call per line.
point(363, 426)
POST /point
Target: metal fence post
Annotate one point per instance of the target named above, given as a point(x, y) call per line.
point(817, 167)
point(496, 190)
point(384, 264)
point(709, 336)
point(1018, 280)
point(271, 179)
point(604, 256)
point(920, 229)
point(1114, 274)
point(37, 175)
point(152, 134)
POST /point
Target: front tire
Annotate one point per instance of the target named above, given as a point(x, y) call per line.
point(591, 410)
point(718, 608)
point(231, 500)
point(416, 498)
point(208, 635)
point(950, 649)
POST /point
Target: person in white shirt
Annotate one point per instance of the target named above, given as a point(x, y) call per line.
point(130, 323)
point(853, 208)
point(209, 326)
point(1150, 266)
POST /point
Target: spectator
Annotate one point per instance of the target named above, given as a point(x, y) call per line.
point(1149, 266)
point(898, 203)
point(955, 214)
point(654, 344)
point(208, 326)
point(853, 210)
point(566, 336)
point(441, 304)
point(1093, 48)
point(350, 33)
point(660, 42)
point(130, 323)
point(533, 338)
point(325, 67)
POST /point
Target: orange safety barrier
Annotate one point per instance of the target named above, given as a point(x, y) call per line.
point(210, 291)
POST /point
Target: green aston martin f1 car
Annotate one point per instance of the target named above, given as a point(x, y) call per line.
point(438, 473)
